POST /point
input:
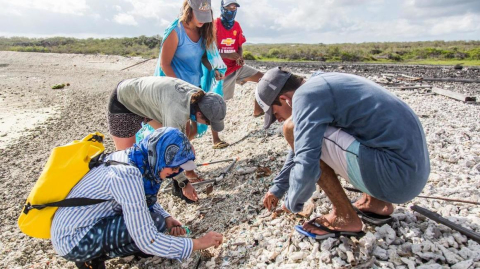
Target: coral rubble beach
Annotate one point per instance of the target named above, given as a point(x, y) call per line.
point(34, 118)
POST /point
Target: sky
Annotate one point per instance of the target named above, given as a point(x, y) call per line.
point(263, 21)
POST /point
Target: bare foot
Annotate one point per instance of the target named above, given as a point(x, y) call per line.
point(368, 203)
point(349, 223)
point(258, 113)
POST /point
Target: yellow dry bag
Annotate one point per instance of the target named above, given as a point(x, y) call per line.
point(64, 169)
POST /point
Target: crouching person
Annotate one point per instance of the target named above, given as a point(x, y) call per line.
point(347, 125)
point(130, 221)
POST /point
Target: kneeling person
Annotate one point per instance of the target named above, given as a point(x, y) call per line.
point(344, 124)
point(130, 221)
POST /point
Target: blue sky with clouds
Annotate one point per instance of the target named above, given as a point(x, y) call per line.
point(263, 21)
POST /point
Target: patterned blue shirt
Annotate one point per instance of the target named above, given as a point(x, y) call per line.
point(123, 186)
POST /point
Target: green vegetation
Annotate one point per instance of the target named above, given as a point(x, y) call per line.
point(428, 52)
point(431, 52)
point(136, 46)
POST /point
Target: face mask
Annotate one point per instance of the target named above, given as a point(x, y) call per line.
point(227, 17)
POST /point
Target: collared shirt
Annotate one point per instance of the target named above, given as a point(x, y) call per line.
point(123, 186)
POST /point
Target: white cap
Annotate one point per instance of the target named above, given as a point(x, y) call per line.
point(188, 166)
point(228, 2)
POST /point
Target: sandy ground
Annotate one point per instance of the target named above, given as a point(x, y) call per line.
point(34, 119)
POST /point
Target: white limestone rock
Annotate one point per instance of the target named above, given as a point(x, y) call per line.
point(467, 264)
point(381, 254)
point(386, 233)
point(409, 263)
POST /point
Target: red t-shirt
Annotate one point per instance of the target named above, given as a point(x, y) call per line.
point(229, 41)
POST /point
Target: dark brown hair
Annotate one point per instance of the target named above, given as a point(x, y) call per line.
point(207, 31)
point(194, 100)
point(197, 97)
point(293, 83)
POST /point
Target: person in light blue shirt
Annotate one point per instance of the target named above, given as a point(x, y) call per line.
point(343, 124)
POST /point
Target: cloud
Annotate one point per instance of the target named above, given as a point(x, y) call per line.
point(125, 19)
point(421, 9)
point(73, 7)
point(263, 21)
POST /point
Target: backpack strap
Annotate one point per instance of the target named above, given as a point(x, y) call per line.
point(72, 202)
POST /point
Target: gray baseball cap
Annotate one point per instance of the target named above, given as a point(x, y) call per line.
point(202, 10)
point(228, 2)
point(268, 89)
point(213, 107)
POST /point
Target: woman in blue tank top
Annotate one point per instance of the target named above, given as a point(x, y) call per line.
point(184, 51)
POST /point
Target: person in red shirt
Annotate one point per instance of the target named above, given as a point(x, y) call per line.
point(229, 42)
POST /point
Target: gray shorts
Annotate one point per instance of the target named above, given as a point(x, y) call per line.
point(341, 152)
point(236, 77)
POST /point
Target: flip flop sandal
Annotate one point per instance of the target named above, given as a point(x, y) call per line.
point(330, 233)
point(195, 179)
point(373, 218)
point(221, 145)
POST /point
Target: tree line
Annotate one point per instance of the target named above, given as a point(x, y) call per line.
point(148, 47)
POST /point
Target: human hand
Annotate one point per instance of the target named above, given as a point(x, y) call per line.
point(190, 192)
point(208, 240)
point(270, 201)
point(218, 75)
point(174, 226)
point(240, 61)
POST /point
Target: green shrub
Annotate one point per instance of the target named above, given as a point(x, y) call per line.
point(474, 54)
point(273, 53)
point(247, 55)
point(395, 57)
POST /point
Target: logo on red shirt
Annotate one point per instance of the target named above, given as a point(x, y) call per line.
point(228, 41)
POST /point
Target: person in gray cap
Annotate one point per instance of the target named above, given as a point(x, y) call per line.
point(162, 102)
point(343, 124)
point(230, 39)
point(185, 47)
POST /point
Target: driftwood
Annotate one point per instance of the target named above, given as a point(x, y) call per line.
point(409, 78)
point(452, 80)
point(137, 64)
point(214, 162)
point(410, 87)
point(454, 95)
point(214, 181)
point(436, 217)
point(426, 197)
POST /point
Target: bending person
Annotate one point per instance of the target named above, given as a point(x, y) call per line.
point(130, 222)
point(162, 102)
point(230, 39)
point(188, 43)
point(344, 124)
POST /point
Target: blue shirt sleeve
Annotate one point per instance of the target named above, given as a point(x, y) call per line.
point(280, 183)
point(311, 115)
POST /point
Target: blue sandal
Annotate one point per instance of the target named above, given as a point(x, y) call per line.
point(330, 233)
